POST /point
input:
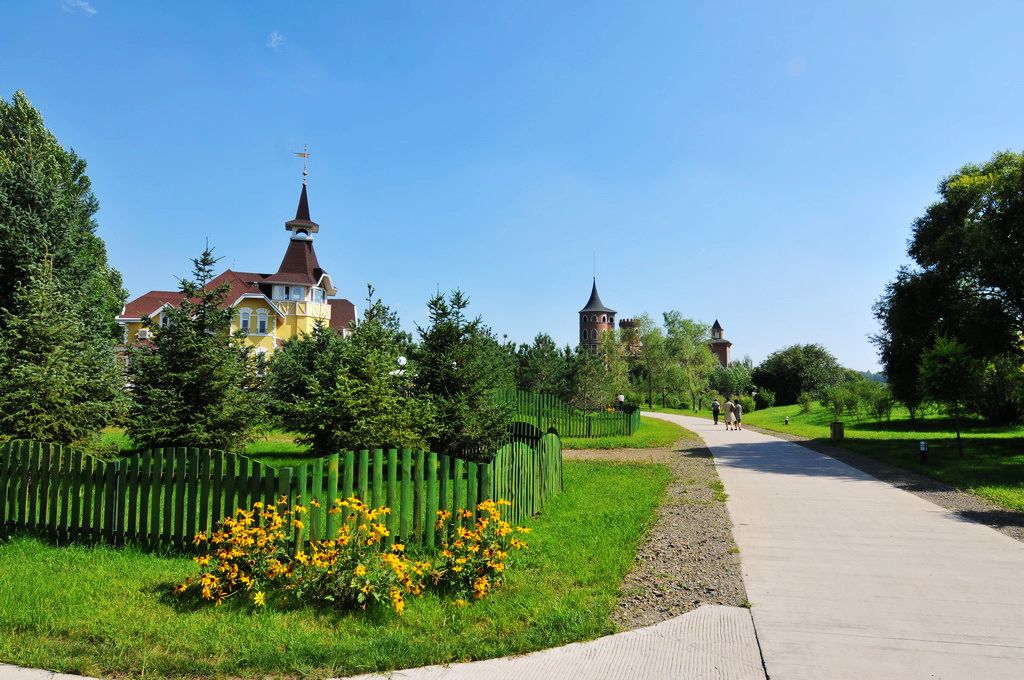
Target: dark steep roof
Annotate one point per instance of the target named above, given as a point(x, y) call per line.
point(302, 219)
point(594, 304)
point(716, 326)
point(299, 264)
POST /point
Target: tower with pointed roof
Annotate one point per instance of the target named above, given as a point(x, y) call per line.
point(270, 308)
point(595, 319)
point(719, 346)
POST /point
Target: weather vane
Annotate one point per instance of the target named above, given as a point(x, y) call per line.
point(304, 155)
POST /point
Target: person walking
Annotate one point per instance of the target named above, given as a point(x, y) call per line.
point(730, 414)
point(738, 411)
point(716, 408)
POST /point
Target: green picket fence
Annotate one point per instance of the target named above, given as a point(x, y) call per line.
point(548, 412)
point(160, 498)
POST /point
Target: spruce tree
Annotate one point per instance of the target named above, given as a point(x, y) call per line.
point(460, 367)
point(56, 375)
point(350, 393)
point(197, 384)
point(47, 207)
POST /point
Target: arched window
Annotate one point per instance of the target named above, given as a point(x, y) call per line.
point(245, 320)
point(593, 334)
point(604, 318)
point(261, 322)
point(593, 319)
point(611, 319)
point(583, 335)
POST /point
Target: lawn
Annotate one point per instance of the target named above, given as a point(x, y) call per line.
point(992, 465)
point(275, 443)
point(652, 434)
point(103, 611)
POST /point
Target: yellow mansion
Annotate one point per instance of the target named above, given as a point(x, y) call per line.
point(270, 308)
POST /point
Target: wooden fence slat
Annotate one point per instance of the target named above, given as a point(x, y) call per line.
point(316, 493)
point(145, 485)
point(348, 479)
point(178, 530)
point(430, 516)
point(418, 503)
point(364, 477)
point(242, 484)
point(86, 534)
point(56, 475)
point(459, 499)
point(33, 489)
point(205, 471)
point(192, 515)
point(378, 478)
point(110, 502)
point(393, 521)
point(471, 489)
point(406, 502)
point(217, 512)
point(74, 530)
point(332, 494)
point(443, 490)
point(167, 516)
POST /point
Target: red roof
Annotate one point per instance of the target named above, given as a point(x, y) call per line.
point(343, 314)
point(239, 284)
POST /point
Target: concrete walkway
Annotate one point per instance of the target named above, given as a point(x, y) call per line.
point(852, 578)
point(709, 643)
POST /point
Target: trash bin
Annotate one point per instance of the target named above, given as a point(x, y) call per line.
point(838, 432)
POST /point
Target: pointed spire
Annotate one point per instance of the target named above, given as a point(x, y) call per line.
point(302, 221)
point(594, 304)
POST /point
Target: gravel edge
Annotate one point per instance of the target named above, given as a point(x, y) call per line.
point(962, 503)
point(688, 558)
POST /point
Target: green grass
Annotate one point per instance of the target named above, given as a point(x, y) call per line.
point(992, 465)
point(102, 611)
point(274, 443)
point(652, 434)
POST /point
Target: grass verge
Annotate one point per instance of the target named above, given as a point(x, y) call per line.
point(992, 465)
point(652, 434)
point(99, 611)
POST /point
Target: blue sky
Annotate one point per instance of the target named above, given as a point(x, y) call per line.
point(759, 163)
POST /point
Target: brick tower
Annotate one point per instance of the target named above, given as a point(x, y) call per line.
point(719, 346)
point(595, 319)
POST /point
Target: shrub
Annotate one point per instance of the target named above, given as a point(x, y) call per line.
point(806, 401)
point(473, 561)
point(764, 398)
point(249, 555)
point(747, 402)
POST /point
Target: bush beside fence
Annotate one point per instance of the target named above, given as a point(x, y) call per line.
point(548, 412)
point(160, 498)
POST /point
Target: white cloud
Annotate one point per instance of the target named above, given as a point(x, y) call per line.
point(275, 39)
point(796, 66)
point(78, 6)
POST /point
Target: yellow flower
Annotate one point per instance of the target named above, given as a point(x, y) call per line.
point(460, 602)
point(398, 547)
point(360, 570)
point(200, 537)
point(259, 599)
point(314, 502)
point(299, 526)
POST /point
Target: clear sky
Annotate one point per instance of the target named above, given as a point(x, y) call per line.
point(756, 162)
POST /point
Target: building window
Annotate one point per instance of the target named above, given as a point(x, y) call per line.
point(593, 334)
point(611, 319)
point(318, 295)
point(244, 319)
point(165, 320)
point(279, 293)
point(604, 318)
point(297, 293)
point(583, 335)
point(261, 322)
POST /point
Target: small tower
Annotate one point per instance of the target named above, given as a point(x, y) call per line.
point(595, 319)
point(719, 346)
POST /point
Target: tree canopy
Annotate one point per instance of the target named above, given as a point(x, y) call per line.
point(798, 368)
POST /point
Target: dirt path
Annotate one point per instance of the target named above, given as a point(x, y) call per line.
point(689, 557)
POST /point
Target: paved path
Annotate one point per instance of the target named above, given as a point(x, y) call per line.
point(712, 642)
point(852, 578)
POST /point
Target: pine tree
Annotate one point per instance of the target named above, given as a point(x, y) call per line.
point(197, 385)
point(460, 366)
point(350, 393)
point(56, 375)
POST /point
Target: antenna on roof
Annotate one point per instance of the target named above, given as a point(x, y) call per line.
point(304, 155)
